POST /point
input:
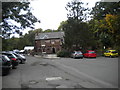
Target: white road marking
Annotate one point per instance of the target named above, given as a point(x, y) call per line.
point(53, 78)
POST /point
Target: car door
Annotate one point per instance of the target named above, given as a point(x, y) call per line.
point(107, 53)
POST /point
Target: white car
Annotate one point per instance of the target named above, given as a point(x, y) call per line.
point(77, 54)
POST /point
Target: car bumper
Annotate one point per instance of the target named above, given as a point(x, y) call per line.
point(114, 55)
point(15, 63)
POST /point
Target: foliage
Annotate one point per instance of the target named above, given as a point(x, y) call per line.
point(50, 30)
point(16, 16)
point(60, 28)
point(102, 8)
point(63, 53)
point(10, 44)
point(106, 29)
point(20, 43)
point(76, 11)
point(77, 33)
point(105, 24)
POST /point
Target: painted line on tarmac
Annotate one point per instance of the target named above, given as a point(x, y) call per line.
point(103, 83)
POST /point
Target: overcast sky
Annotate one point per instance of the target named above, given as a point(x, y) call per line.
point(52, 12)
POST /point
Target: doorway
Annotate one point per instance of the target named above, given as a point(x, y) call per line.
point(53, 50)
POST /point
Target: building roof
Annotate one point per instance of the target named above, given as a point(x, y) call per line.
point(49, 35)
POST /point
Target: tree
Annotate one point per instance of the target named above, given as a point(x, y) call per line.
point(20, 43)
point(19, 13)
point(102, 8)
point(61, 25)
point(77, 34)
point(113, 23)
point(106, 31)
point(76, 11)
point(48, 30)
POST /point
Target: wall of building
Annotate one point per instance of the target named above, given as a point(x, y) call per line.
point(48, 45)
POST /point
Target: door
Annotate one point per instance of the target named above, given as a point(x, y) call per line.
point(53, 50)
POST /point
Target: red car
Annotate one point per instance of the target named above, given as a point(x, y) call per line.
point(90, 53)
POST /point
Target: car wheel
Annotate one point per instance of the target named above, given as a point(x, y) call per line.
point(74, 57)
point(14, 67)
point(23, 62)
point(5, 73)
point(110, 56)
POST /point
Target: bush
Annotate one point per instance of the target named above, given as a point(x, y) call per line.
point(63, 53)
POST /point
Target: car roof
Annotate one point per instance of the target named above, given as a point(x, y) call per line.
point(111, 50)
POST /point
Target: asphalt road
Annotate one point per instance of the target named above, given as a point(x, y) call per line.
point(102, 70)
point(98, 72)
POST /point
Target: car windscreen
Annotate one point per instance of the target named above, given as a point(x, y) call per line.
point(78, 52)
point(5, 58)
point(91, 52)
point(114, 52)
point(16, 54)
point(22, 56)
point(10, 55)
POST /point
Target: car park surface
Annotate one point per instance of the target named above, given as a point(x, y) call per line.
point(97, 72)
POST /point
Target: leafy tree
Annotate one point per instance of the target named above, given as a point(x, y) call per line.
point(77, 34)
point(76, 10)
point(20, 43)
point(106, 31)
point(61, 25)
point(113, 23)
point(102, 8)
point(20, 14)
point(48, 30)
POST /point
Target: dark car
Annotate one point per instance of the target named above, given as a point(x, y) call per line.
point(5, 65)
point(13, 58)
point(20, 57)
point(77, 54)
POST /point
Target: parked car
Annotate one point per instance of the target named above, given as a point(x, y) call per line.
point(90, 53)
point(20, 57)
point(13, 58)
point(111, 53)
point(77, 54)
point(5, 65)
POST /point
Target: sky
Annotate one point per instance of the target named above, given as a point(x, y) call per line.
point(52, 12)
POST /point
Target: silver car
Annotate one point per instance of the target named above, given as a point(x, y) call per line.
point(77, 54)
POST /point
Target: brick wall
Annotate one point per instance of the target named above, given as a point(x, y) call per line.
point(48, 46)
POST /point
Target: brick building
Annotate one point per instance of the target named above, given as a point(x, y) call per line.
point(50, 42)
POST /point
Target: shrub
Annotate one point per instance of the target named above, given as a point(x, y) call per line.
point(63, 53)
